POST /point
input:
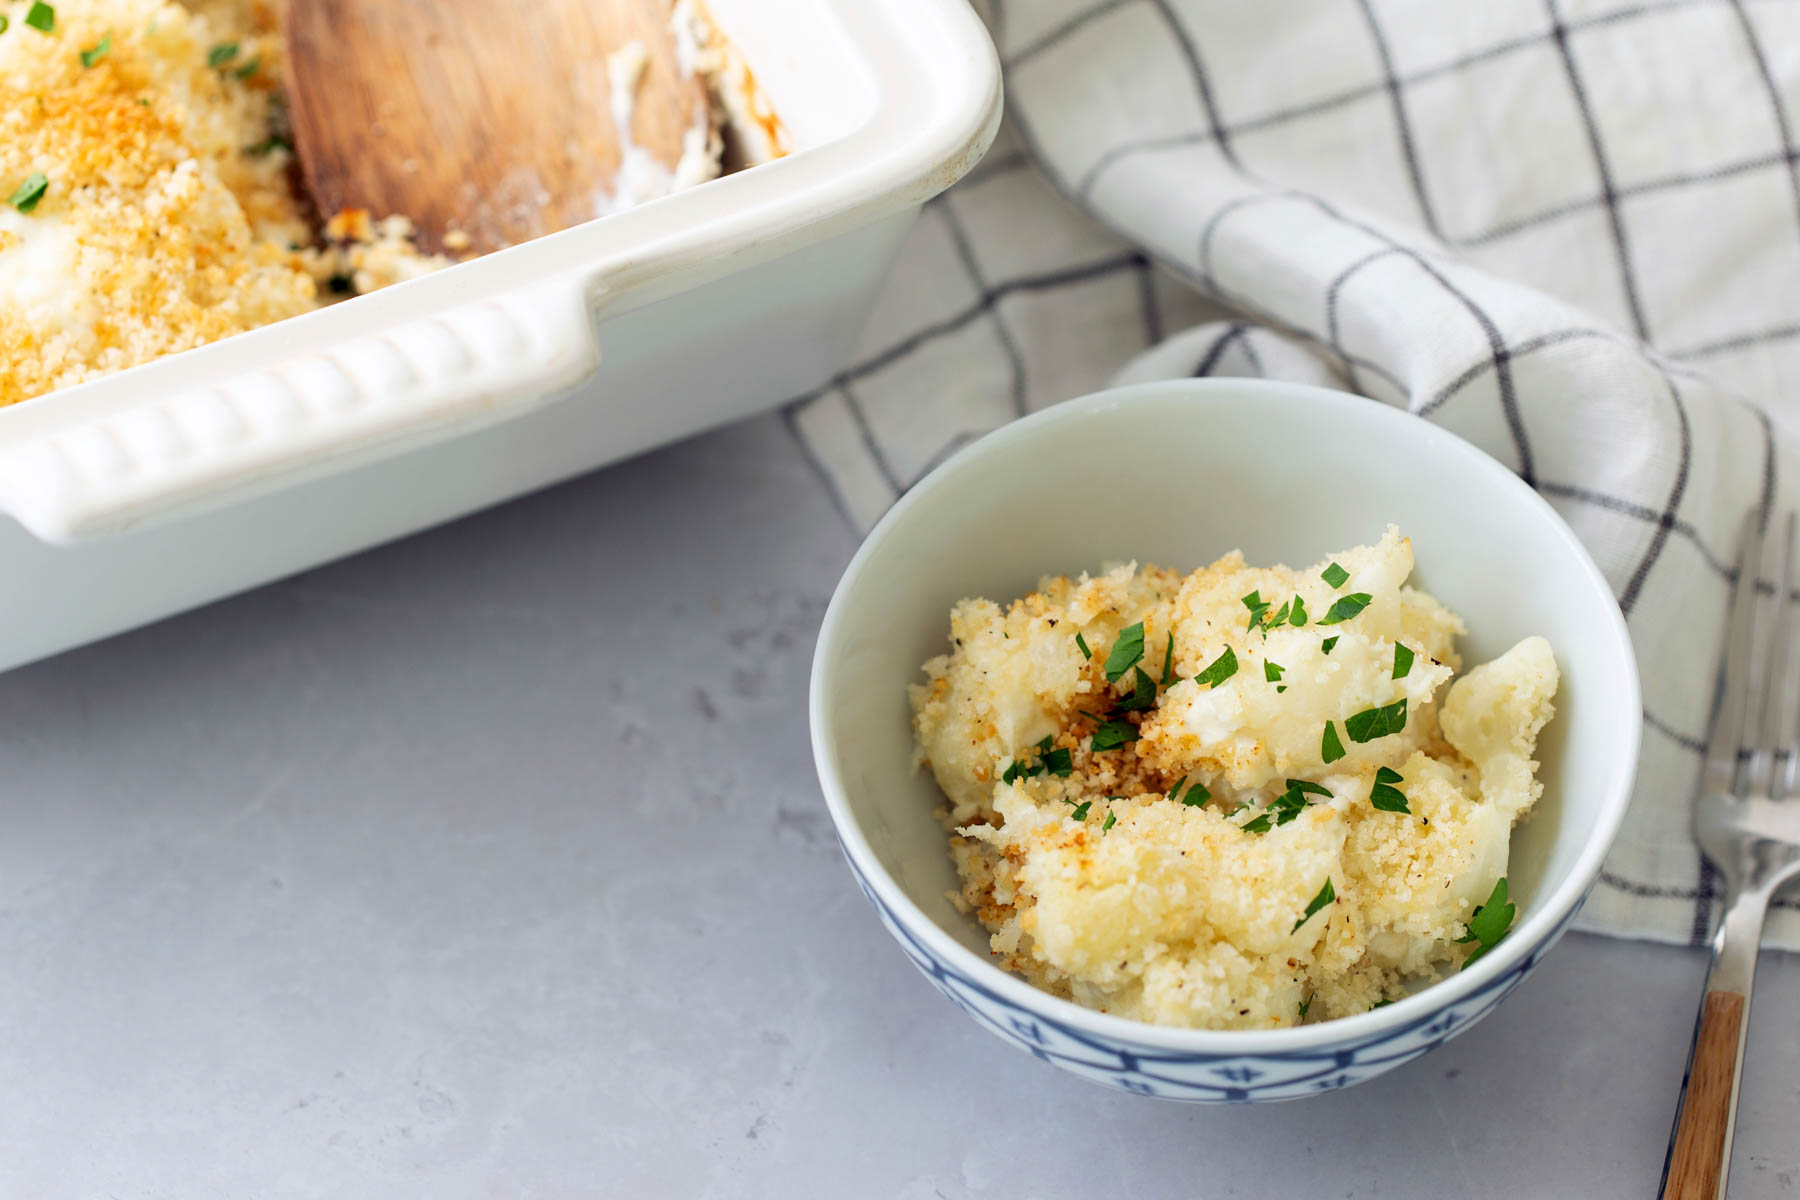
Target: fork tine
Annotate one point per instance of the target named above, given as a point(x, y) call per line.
point(1773, 736)
point(1728, 726)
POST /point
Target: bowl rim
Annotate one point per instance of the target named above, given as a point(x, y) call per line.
point(1540, 925)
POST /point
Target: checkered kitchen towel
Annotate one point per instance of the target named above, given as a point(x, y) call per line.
point(1568, 230)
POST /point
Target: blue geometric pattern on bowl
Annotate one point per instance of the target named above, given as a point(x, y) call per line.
point(1204, 1078)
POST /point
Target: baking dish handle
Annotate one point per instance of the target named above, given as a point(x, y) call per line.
point(357, 400)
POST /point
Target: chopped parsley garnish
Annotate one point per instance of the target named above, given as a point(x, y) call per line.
point(1330, 749)
point(1125, 652)
point(1309, 787)
point(1219, 670)
point(1379, 1004)
point(1326, 896)
point(1346, 607)
point(1328, 643)
point(1081, 810)
point(1489, 922)
point(1372, 723)
point(1297, 618)
point(1108, 823)
point(1304, 1005)
point(3, 22)
point(1288, 806)
point(41, 17)
point(1335, 575)
point(1058, 762)
point(1260, 824)
point(1143, 693)
point(1044, 743)
point(248, 69)
point(1385, 796)
point(1081, 645)
point(26, 196)
point(1279, 619)
point(1257, 606)
point(1403, 660)
point(1272, 671)
point(1113, 734)
point(271, 143)
point(1197, 794)
point(1169, 661)
point(221, 53)
point(97, 51)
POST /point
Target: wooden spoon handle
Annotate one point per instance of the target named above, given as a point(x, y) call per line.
point(1697, 1158)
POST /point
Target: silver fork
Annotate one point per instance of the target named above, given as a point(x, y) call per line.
point(1752, 837)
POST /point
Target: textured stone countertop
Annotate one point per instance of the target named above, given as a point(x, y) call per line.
point(492, 864)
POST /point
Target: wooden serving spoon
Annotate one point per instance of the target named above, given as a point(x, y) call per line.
point(495, 121)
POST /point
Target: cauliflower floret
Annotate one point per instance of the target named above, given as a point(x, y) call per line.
point(1181, 852)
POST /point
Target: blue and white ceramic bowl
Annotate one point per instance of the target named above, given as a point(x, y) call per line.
point(1177, 474)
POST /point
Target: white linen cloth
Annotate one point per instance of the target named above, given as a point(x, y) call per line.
point(1568, 230)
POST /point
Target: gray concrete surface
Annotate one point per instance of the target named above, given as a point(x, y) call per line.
point(492, 864)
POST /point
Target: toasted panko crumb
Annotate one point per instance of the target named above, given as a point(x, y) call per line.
point(1152, 901)
point(171, 218)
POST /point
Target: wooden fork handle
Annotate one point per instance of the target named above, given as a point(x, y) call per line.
point(1697, 1157)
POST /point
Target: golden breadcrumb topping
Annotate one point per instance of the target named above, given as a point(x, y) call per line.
point(160, 226)
point(1239, 798)
point(149, 197)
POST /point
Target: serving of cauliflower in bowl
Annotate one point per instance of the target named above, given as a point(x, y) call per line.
point(1195, 825)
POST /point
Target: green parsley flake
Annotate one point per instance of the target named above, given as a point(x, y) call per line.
point(1330, 749)
point(1020, 769)
point(221, 53)
point(268, 145)
point(1379, 1004)
point(1260, 824)
point(1297, 618)
point(1108, 823)
point(1403, 660)
point(1125, 652)
point(1113, 734)
point(1489, 922)
point(1081, 645)
point(1288, 806)
point(1279, 619)
point(1385, 796)
point(248, 69)
point(1372, 723)
point(1346, 607)
point(1197, 795)
point(1335, 575)
point(1326, 896)
point(41, 17)
point(1081, 810)
point(1143, 693)
point(1257, 606)
point(3, 22)
point(1304, 1005)
point(1059, 763)
point(1309, 788)
point(26, 196)
point(1327, 644)
point(1272, 671)
point(97, 51)
point(1219, 670)
point(1169, 661)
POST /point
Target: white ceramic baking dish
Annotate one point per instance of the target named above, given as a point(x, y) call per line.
point(208, 472)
